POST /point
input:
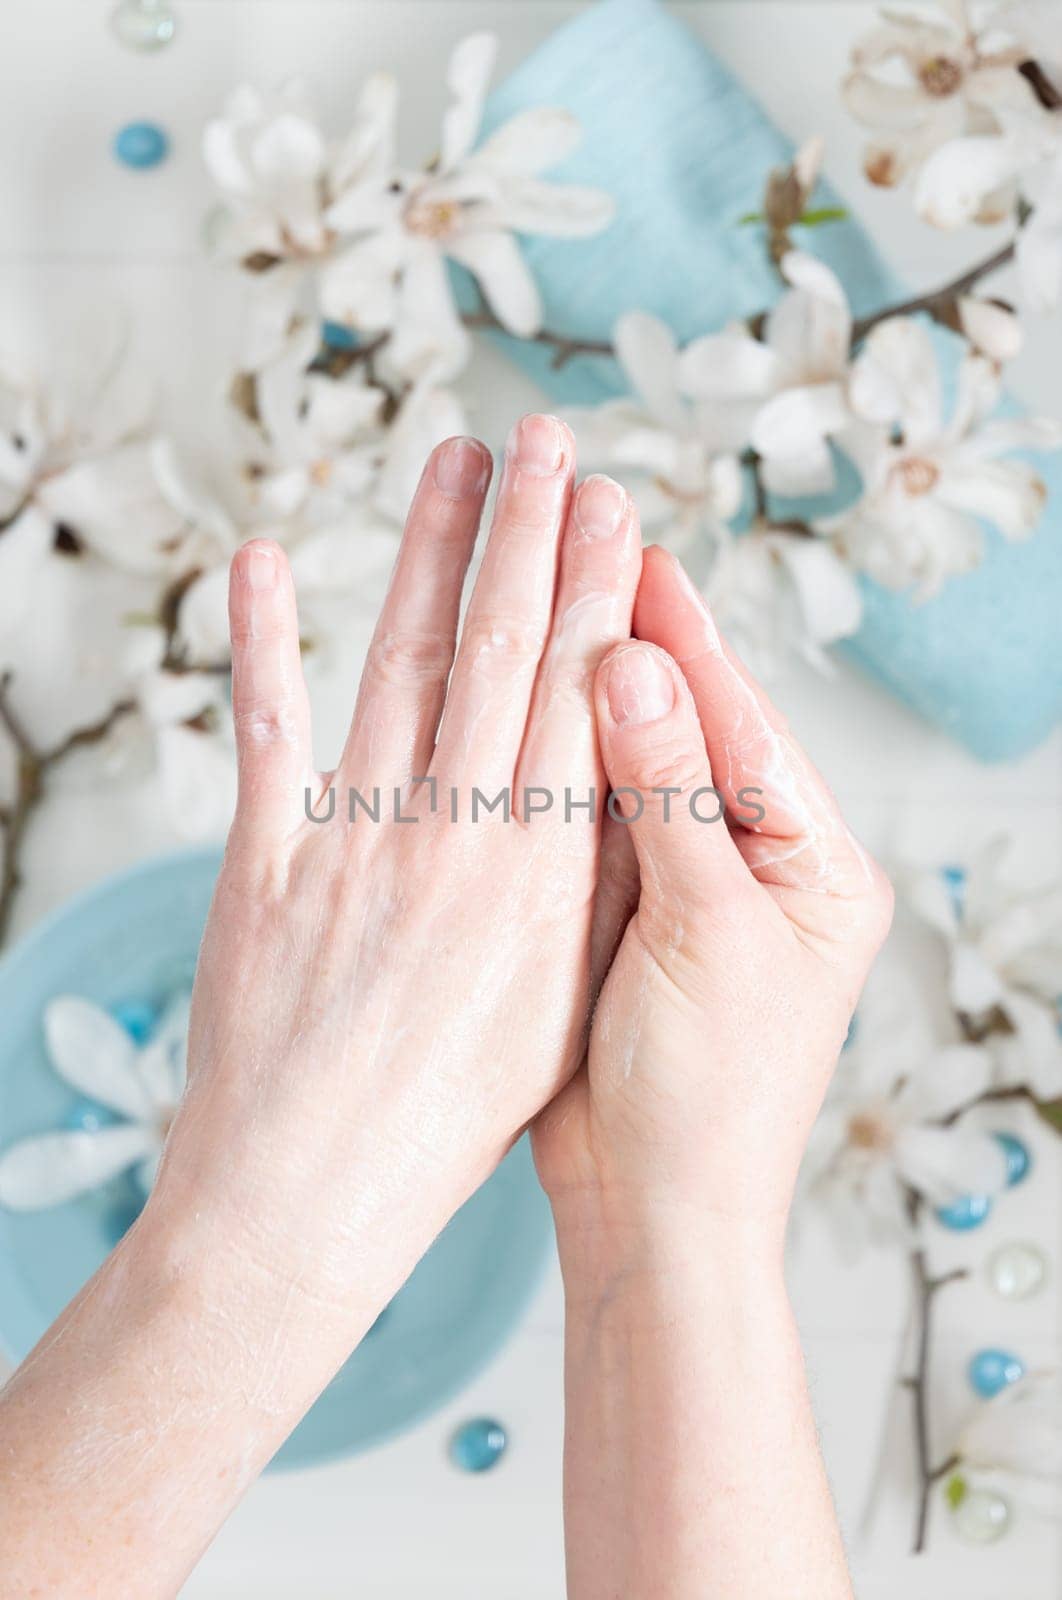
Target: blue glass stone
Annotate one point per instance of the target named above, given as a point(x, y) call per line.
point(955, 879)
point(1019, 1157)
point(141, 145)
point(991, 1371)
point(966, 1213)
point(478, 1445)
point(144, 24)
point(88, 1116)
point(853, 1030)
point(137, 1018)
point(335, 336)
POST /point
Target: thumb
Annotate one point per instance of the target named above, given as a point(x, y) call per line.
point(657, 766)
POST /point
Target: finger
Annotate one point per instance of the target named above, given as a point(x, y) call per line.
point(600, 563)
point(403, 684)
point(509, 614)
point(657, 766)
point(270, 708)
point(800, 840)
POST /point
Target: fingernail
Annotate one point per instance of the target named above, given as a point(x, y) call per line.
point(639, 688)
point(259, 566)
point(461, 468)
point(537, 445)
point(600, 507)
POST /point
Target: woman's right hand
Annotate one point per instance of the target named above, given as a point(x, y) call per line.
point(725, 1008)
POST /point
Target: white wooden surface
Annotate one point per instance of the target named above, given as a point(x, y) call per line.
point(78, 232)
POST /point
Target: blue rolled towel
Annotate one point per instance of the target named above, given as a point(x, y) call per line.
point(684, 149)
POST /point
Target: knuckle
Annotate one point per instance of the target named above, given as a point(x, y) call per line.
point(263, 725)
point(408, 658)
point(500, 638)
point(665, 766)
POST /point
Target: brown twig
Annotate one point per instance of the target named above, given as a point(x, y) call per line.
point(32, 768)
point(926, 1289)
point(563, 346)
point(937, 302)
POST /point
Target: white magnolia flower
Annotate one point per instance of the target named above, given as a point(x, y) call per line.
point(1013, 1444)
point(76, 460)
point(882, 1135)
point(787, 392)
point(318, 444)
point(679, 453)
point(466, 207)
point(929, 483)
point(1028, 155)
point(141, 1086)
point(182, 731)
point(777, 592)
point(930, 75)
point(1004, 947)
point(271, 163)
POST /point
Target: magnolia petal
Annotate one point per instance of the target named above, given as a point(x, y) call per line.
point(807, 272)
point(975, 984)
point(949, 1079)
point(957, 178)
point(531, 142)
point(943, 1164)
point(831, 600)
point(1009, 494)
point(368, 152)
point(162, 1062)
point(427, 416)
point(646, 350)
point(810, 332)
point(929, 897)
point(1004, 434)
point(116, 505)
point(467, 77)
point(723, 365)
point(172, 697)
point(1039, 260)
point(993, 330)
point(288, 149)
point(203, 617)
point(496, 262)
point(810, 472)
point(1032, 1054)
point(349, 552)
point(197, 773)
point(25, 546)
point(359, 288)
point(896, 377)
point(57, 1167)
point(877, 104)
point(94, 1054)
point(558, 210)
point(798, 419)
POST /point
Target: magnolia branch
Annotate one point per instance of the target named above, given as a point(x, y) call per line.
point(32, 769)
point(926, 1289)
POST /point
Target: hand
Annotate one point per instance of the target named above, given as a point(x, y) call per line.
point(380, 1007)
point(726, 1005)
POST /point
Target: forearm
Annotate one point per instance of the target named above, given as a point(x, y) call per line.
point(137, 1424)
point(692, 1466)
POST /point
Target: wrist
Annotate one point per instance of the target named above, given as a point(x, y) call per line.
point(651, 1251)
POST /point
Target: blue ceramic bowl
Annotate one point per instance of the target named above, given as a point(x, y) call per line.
point(134, 938)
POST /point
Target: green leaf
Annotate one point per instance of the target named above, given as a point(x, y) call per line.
point(815, 218)
point(751, 216)
point(955, 1490)
point(1051, 1113)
